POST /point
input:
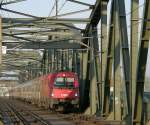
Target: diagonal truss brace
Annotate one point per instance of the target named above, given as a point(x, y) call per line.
point(11, 2)
point(141, 69)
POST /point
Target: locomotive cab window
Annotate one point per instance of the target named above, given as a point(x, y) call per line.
point(70, 82)
point(67, 82)
point(60, 82)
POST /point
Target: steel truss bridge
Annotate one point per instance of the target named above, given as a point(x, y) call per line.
point(110, 61)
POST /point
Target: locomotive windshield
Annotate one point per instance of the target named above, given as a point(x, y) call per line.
point(64, 82)
point(60, 82)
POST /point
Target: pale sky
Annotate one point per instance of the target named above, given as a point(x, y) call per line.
point(43, 8)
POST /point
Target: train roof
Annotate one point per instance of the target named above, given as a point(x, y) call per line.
point(63, 73)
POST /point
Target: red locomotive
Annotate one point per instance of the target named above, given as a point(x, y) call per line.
point(53, 90)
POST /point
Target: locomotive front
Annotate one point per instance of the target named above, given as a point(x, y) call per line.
point(65, 90)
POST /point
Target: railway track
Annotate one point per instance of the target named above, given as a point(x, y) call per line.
point(7, 115)
point(14, 112)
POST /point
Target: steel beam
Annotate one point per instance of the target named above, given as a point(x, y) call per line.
point(97, 69)
point(134, 48)
point(113, 64)
point(71, 13)
point(41, 33)
point(108, 65)
point(84, 91)
point(125, 59)
point(93, 101)
point(46, 19)
point(37, 45)
point(33, 24)
point(0, 42)
point(117, 81)
point(103, 46)
point(141, 66)
point(49, 61)
point(16, 12)
point(46, 61)
point(53, 60)
point(11, 2)
point(42, 64)
point(70, 52)
point(94, 98)
point(18, 37)
point(95, 16)
point(74, 61)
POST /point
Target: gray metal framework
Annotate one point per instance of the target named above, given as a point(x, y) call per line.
point(112, 75)
point(141, 67)
point(0, 42)
point(134, 48)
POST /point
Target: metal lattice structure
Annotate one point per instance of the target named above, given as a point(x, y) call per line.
point(111, 65)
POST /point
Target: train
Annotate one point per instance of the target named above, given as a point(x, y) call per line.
point(56, 90)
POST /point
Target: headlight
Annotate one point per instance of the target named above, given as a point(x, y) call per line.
point(52, 94)
point(76, 94)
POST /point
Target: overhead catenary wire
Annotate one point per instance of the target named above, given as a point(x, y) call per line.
point(52, 9)
point(59, 10)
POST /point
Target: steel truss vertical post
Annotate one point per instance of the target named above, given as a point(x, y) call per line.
point(70, 59)
point(56, 7)
point(85, 81)
point(41, 67)
point(43, 63)
point(77, 63)
point(104, 44)
point(49, 61)
point(83, 65)
point(116, 66)
point(74, 61)
point(97, 68)
point(30, 71)
point(65, 59)
point(125, 55)
point(113, 64)
point(134, 48)
point(108, 66)
point(0, 42)
point(141, 66)
point(33, 68)
point(46, 61)
point(55, 64)
point(52, 60)
point(57, 60)
point(93, 103)
point(62, 60)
